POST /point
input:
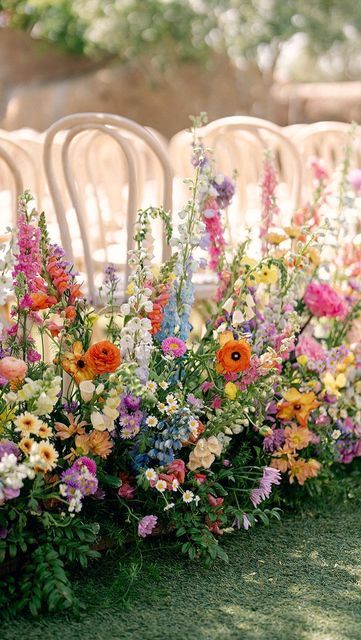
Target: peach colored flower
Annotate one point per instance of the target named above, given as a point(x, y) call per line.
point(297, 437)
point(13, 368)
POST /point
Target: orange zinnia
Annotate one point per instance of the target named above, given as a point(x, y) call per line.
point(233, 357)
point(103, 357)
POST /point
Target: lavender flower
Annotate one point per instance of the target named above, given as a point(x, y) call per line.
point(270, 477)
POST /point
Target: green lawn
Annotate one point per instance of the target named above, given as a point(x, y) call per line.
point(298, 580)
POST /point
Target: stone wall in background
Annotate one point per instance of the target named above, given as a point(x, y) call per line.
point(39, 85)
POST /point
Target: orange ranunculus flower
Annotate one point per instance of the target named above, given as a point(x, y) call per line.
point(103, 357)
point(298, 405)
point(234, 356)
point(77, 364)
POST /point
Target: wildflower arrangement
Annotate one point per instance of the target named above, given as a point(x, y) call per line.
point(155, 428)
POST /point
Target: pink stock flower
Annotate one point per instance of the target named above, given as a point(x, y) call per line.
point(205, 386)
point(28, 259)
point(217, 403)
point(308, 346)
point(318, 168)
point(323, 300)
point(268, 186)
point(13, 368)
point(33, 355)
point(246, 522)
point(146, 526)
point(174, 346)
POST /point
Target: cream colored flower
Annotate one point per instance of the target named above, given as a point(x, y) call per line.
point(27, 424)
point(86, 388)
point(204, 453)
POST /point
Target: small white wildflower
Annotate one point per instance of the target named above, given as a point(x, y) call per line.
point(151, 474)
point(188, 496)
point(161, 485)
point(151, 421)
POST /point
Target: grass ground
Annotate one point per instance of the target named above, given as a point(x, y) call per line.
point(298, 580)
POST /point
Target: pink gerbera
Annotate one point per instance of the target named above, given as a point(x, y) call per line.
point(174, 346)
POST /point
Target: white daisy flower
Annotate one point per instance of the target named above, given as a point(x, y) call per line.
point(151, 386)
point(168, 506)
point(161, 407)
point(150, 474)
point(164, 385)
point(161, 485)
point(193, 425)
point(151, 421)
point(175, 484)
point(188, 496)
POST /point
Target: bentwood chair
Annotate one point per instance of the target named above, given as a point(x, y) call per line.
point(239, 143)
point(328, 142)
point(11, 183)
point(103, 156)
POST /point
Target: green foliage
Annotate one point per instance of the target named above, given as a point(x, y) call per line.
point(43, 548)
point(173, 30)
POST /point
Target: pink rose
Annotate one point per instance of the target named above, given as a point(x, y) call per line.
point(308, 346)
point(13, 368)
point(323, 300)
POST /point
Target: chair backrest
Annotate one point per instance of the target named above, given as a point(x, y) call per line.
point(90, 164)
point(325, 140)
point(240, 142)
point(11, 183)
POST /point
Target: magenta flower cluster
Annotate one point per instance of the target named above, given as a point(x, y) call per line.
point(28, 259)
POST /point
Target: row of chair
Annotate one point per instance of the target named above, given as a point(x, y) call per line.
point(92, 171)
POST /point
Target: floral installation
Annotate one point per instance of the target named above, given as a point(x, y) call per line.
point(158, 429)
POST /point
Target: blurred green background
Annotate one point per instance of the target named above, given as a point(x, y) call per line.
point(158, 60)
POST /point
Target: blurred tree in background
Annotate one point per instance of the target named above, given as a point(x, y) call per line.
point(313, 39)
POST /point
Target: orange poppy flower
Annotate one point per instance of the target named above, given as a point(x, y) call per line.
point(234, 356)
point(298, 405)
point(103, 357)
